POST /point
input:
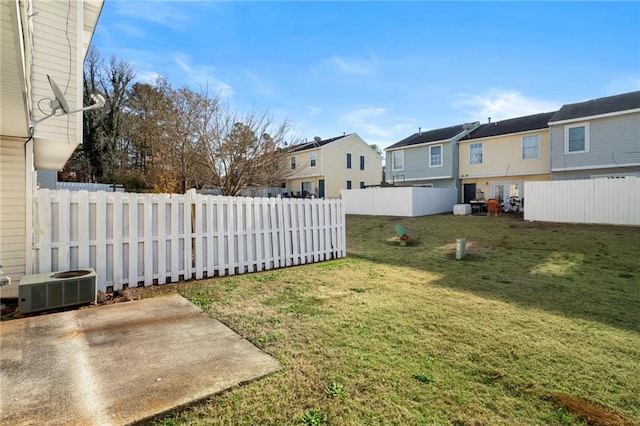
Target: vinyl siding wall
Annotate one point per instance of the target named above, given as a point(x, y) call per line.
point(502, 157)
point(614, 144)
point(503, 164)
point(62, 59)
point(416, 166)
point(303, 164)
point(332, 167)
point(335, 170)
point(13, 208)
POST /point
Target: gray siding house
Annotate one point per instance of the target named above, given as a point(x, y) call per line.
point(427, 158)
point(596, 138)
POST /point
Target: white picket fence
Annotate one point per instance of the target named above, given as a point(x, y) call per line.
point(134, 240)
point(598, 201)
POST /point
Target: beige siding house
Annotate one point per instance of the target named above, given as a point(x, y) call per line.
point(324, 167)
point(496, 158)
point(39, 38)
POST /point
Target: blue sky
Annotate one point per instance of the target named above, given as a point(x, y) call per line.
point(381, 69)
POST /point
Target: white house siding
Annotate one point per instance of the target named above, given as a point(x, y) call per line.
point(12, 208)
point(614, 147)
point(53, 45)
point(58, 52)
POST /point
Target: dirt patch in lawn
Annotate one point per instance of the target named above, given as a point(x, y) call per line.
point(591, 412)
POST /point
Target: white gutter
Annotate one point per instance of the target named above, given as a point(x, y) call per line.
point(601, 166)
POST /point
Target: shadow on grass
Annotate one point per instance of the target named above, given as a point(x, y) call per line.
point(584, 271)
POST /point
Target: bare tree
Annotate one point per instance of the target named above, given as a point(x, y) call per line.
point(86, 162)
point(243, 150)
point(149, 106)
point(115, 85)
point(151, 136)
point(180, 157)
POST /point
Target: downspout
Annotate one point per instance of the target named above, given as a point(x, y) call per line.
point(79, 57)
point(468, 128)
point(24, 23)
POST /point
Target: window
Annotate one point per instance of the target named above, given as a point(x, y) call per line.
point(362, 162)
point(312, 159)
point(507, 192)
point(397, 160)
point(306, 188)
point(576, 138)
point(293, 163)
point(348, 184)
point(435, 156)
point(361, 185)
point(475, 153)
point(348, 160)
point(531, 147)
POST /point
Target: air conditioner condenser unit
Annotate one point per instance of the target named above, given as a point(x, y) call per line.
point(54, 290)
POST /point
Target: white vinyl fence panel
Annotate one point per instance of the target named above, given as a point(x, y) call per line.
point(405, 201)
point(134, 240)
point(598, 201)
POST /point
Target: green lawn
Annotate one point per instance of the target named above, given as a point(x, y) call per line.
point(539, 325)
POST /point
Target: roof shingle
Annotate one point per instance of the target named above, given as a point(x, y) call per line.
point(313, 144)
point(429, 136)
point(511, 125)
point(623, 102)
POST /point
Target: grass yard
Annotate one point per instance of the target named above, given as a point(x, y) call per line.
point(539, 325)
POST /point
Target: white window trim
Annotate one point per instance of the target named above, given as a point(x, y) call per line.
point(313, 154)
point(522, 148)
point(586, 137)
point(293, 163)
point(393, 162)
point(482, 145)
point(441, 155)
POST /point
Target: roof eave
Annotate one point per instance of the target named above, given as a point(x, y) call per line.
point(91, 11)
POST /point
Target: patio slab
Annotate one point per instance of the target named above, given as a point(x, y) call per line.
point(118, 364)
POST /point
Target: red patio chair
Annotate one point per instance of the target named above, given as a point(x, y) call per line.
point(493, 207)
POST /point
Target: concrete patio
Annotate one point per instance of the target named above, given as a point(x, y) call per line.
point(118, 364)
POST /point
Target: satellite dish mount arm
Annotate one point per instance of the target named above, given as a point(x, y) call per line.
point(61, 103)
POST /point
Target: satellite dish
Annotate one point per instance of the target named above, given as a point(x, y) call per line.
point(317, 139)
point(61, 103)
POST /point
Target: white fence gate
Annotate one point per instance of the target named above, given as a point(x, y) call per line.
point(134, 240)
point(601, 201)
